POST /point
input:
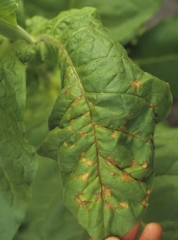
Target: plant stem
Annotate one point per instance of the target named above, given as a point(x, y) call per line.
point(14, 33)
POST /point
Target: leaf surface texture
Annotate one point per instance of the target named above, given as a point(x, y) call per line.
point(102, 124)
point(17, 160)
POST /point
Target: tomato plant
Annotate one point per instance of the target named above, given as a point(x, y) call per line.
point(70, 92)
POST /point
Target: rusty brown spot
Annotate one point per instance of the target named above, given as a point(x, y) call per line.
point(70, 128)
point(123, 205)
point(112, 173)
point(110, 158)
point(80, 202)
point(145, 165)
point(114, 135)
point(149, 141)
point(151, 105)
point(83, 134)
point(130, 135)
point(90, 163)
point(144, 203)
point(85, 176)
point(98, 196)
point(107, 191)
point(72, 146)
point(110, 206)
point(85, 114)
point(140, 133)
point(133, 163)
point(136, 84)
point(122, 129)
point(67, 91)
point(125, 177)
point(128, 116)
point(148, 192)
point(82, 154)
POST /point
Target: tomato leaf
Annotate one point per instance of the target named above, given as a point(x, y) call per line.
point(102, 125)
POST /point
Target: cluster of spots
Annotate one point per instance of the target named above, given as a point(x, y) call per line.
point(89, 163)
point(144, 202)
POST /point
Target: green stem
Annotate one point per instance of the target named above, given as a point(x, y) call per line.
point(14, 33)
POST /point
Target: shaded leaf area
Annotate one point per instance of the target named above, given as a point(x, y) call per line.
point(102, 125)
point(123, 21)
point(47, 217)
point(163, 201)
point(157, 52)
point(7, 11)
point(17, 158)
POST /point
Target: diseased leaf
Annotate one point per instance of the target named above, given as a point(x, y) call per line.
point(17, 160)
point(7, 11)
point(102, 125)
point(163, 201)
point(157, 52)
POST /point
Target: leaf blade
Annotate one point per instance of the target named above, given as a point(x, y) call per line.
point(7, 11)
point(17, 161)
point(97, 125)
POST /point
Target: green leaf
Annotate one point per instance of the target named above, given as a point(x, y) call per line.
point(7, 11)
point(102, 125)
point(123, 21)
point(163, 201)
point(17, 161)
point(157, 52)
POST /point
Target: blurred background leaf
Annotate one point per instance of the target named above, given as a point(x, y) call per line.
point(123, 20)
point(156, 52)
point(164, 198)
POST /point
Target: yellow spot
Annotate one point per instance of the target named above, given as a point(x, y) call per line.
point(80, 202)
point(83, 134)
point(85, 114)
point(110, 158)
point(108, 163)
point(85, 176)
point(112, 173)
point(144, 203)
point(114, 135)
point(125, 177)
point(90, 163)
point(82, 154)
point(151, 105)
point(148, 192)
point(136, 84)
point(133, 163)
point(145, 165)
point(110, 206)
point(70, 128)
point(65, 144)
point(72, 146)
point(123, 204)
point(149, 141)
point(107, 191)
